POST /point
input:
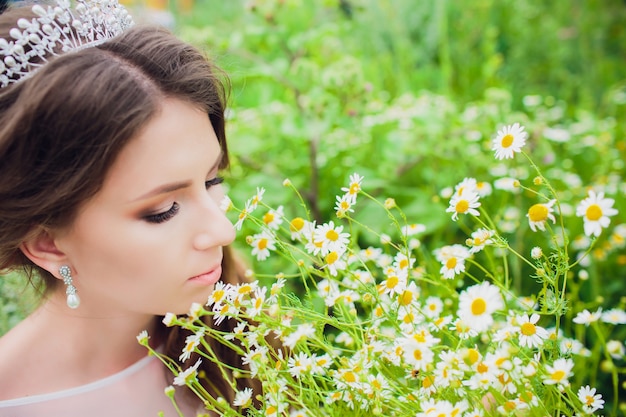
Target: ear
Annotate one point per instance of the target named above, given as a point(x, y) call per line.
point(41, 249)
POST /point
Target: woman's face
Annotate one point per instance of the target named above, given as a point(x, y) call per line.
point(151, 240)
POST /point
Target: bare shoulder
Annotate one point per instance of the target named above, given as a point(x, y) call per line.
point(23, 363)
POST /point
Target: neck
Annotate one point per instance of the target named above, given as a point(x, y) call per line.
point(101, 344)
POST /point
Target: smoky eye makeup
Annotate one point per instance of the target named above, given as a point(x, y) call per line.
point(163, 216)
point(214, 181)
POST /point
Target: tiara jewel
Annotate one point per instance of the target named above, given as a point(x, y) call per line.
point(57, 30)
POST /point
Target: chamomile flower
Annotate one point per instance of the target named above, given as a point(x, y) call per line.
point(614, 316)
point(262, 243)
point(334, 261)
point(586, 317)
point(143, 337)
point(616, 349)
point(536, 252)
point(188, 375)
point(483, 188)
point(243, 398)
point(452, 258)
point(191, 343)
point(354, 187)
point(301, 228)
point(257, 198)
point(303, 331)
point(330, 238)
point(509, 140)
point(274, 218)
point(591, 401)
point(464, 203)
point(226, 204)
point(530, 334)
point(468, 184)
point(343, 205)
point(538, 214)
point(480, 238)
point(413, 229)
point(595, 211)
point(243, 215)
point(559, 372)
point(477, 305)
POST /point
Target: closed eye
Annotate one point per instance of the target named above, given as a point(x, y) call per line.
point(163, 216)
point(214, 181)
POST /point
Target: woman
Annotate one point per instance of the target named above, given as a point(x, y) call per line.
point(109, 193)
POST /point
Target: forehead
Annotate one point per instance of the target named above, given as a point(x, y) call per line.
point(177, 144)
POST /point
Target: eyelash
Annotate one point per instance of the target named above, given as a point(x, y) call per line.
point(171, 212)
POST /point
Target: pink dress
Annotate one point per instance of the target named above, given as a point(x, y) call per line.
point(136, 391)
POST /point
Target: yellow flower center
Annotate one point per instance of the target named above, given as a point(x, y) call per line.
point(451, 263)
point(479, 306)
point(408, 319)
point(419, 337)
point(417, 354)
point(472, 355)
point(558, 375)
point(507, 140)
point(428, 381)
point(538, 213)
point(349, 376)
point(528, 329)
point(262, 244)
point(331, 258)
point(589, 400)
point(461, 206)
point(332, 235)
point(296, 224)
point(218, 295)
point(405, 298)
point(392, 282)
point(482, 368)
point(268, 218)
point(245, 289)
point(594, 212)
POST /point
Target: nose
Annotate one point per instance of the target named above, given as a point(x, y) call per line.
point(213, 228)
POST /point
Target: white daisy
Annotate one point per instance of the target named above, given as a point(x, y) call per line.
point(539, 213)
point(343, 205)
point(530, 334)
point(465, 203)
point(559, 372)
point(262, 243)
point(586, 317)
point(510, 139)
point(614, 316)
point(330, 238)
point(355, 186)
point(595, 211)
point(243, 398)
point(591, 401)
point(188, 375)
point(480, 238)
point(191, 343)
point(477, 304)
point(274, 218)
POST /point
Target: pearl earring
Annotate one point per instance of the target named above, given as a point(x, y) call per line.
point(73, 301)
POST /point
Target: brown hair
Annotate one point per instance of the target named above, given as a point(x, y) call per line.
point(61, 130)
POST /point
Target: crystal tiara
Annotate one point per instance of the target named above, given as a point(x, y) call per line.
point(57, 30)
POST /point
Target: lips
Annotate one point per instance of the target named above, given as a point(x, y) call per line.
point(207, 278)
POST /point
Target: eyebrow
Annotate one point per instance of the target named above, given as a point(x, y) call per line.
point(168, 188)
